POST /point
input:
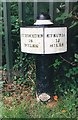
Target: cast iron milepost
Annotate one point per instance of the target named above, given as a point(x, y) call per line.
point(45, 40)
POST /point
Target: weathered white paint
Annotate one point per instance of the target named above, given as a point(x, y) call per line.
point(55, 40)
point(43, 40)
point(32, 42)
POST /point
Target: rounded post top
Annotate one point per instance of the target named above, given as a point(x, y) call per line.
point(43, 19)
point(43, 16)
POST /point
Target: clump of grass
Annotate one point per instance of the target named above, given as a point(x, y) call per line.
point(65, 108)
point(19, 111)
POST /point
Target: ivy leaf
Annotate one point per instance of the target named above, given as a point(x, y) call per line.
point(57, 63)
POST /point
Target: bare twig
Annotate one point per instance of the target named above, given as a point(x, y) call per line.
point(71, 63)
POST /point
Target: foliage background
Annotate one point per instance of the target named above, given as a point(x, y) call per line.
point(65, 65)
point(67, 62)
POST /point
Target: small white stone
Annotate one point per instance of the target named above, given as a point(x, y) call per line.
point(44, 97)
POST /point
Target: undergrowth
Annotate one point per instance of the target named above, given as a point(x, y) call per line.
point(66, 107)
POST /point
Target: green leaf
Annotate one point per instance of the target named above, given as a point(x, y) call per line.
point(74, 24)
point(68, 75)
point(76, 56)
point(63, 16)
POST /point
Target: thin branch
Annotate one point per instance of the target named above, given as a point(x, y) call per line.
point(71, 63)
